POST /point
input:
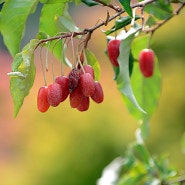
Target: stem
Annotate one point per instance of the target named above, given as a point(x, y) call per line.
point(166, 20)
point(92, 29)
point(119, 11)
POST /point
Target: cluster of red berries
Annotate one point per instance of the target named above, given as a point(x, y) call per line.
point(146, 57)
point(79, 85)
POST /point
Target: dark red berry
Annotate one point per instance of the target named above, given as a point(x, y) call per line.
point(63, 82)
point(88, 69)
point(87, 84)
point(54, 94)
point(84, 105)
point(146, 62)
point(75, 97)
point(73, 77)
point(98, 95)
point(113, 51)
point(42, 101)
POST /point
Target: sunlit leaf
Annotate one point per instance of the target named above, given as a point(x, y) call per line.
point(48, 20)
point(12, 22)
point(121, 23)
point(147, 90)
point(126, 6)
point(160, 9)
point(65, 22)
point(92, 60)
point(123, 79)
point(22, 75)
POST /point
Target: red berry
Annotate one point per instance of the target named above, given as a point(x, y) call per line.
point(42, 101)
point(73, 77)
point(87, 84)
point(54, 94)
point(63, 82)
point(88, 69)
point(84, 105)
point(76, 97)
point(98, 95)
point(113, 51)
point(146, 62)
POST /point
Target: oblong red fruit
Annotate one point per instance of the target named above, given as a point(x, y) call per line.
point(146, 62)
point(88, 69)
point(75, 97)
point(73, 77)
point(42, 101)
point(54, 94)
point(98, 95)
point(87, 84)
point(63, 81)
point(113, 51)
point(84, 105)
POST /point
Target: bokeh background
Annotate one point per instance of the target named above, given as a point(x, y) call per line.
point(67, 147)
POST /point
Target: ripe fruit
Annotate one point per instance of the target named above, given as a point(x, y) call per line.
point(63, 82)
point(73, 77)
point(42, 101)
point(98, 95)
point(87, 84)
point(113, 51)
point(54, 94)
point(146, 62)
point(88, 69)
point(76, 97)
point(84, 105)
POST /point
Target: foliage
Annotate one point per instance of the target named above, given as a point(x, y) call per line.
point(57, 31)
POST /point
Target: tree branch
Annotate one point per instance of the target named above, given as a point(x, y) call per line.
point(89, 31)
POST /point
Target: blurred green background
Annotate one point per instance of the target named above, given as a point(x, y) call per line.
point(67, 147)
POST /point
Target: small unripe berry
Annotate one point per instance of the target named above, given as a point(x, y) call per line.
point(146, 62)
point(73, 77)
point(98, 95)
point(54, 94)
point(63, 82)
point(84, 105)
point(113, 51)
point(42, 101)
point(87, 84)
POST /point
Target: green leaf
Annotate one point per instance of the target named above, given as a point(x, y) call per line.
point(92, 60)
point(42, 35)
point(123, 79)
point(54, 1)
point(150, 21)
point(147, 90)
point(126, 6)
point(65, 23)
point(12, 22)
point(160, 9)
point(142, 153)
point(121, 23)
point(48, 25)
point(22, 75)
point(90, 2)
point(2, 1)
